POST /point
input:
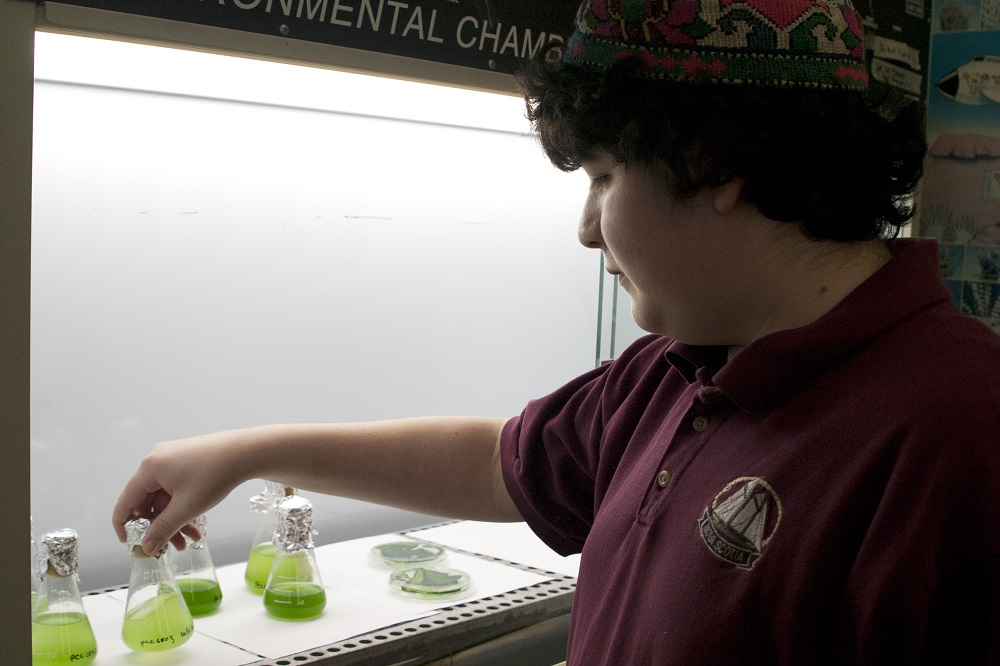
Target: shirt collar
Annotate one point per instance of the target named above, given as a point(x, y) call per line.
point(770, 369)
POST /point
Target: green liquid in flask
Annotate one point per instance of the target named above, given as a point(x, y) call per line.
point(62, 638)
point(295, 601)
point(201, 594)
point(160, 623)
point(259, 566)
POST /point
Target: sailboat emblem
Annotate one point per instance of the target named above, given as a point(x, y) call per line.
point(742, 519)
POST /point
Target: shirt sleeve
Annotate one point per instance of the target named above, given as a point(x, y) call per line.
point(551, 452)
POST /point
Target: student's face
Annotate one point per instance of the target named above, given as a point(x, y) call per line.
point(670, 255)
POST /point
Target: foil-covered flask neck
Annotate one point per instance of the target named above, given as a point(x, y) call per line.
point(58, 552)
point(201, 522)
point(135, 530)
point(268, 497)
point(294, 524)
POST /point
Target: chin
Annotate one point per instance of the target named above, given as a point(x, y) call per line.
point(682, 334)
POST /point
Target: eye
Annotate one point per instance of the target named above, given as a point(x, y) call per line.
point(599, 168)
point(599, 181)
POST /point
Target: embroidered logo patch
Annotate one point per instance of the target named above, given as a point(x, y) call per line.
point(742, 519)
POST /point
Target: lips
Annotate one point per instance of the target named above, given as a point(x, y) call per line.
point(613, 270)
point(618, 275)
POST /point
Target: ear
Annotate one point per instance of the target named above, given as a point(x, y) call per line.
point(726, 197)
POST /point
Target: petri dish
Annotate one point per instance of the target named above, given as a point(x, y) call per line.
point(430, 583)
point(398, 554)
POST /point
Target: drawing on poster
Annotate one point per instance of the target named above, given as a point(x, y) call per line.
point(960, 191)
point(959, 15)
point(976, 82)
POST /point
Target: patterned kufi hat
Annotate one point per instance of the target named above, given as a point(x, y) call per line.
point(788, 43)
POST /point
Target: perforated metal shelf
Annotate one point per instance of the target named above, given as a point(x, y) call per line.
point(451, 629)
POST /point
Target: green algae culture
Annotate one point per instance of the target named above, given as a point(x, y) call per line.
point(397, 554)
point(430, 583)
point(160, 623)
point(294, 587)
point(62, 638)
point(262, 550)
point(194, 572)
point(60, 630)
point(156, 616)
point(259, 566)
point(201, 595)
point(295, 601)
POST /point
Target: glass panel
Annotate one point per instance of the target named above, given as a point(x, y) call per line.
point(202, 263)
point(616, 329)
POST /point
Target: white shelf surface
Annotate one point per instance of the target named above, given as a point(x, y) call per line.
point(514, 542)
point(359, 601)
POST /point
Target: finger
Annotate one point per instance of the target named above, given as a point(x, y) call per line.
point(160, 502)
point(129, 505)
point(178, 541)
point(192, 532)
point(169, 519)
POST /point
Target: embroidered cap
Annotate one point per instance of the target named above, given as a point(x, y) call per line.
point(786, 43)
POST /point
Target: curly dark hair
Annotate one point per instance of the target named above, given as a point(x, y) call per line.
point(841, 164)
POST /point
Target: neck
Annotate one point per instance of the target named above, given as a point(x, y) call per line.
point(803, 279)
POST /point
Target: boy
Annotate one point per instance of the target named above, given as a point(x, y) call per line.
point(798, 464)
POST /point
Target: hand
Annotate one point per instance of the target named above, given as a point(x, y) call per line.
point(178, 481)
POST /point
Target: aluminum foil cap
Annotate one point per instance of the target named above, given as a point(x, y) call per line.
point(59, 549)
point(272, 492)
point(294, 524)
point(201, 522)
point(135, 530)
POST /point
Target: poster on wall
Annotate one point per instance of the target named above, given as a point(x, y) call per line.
point(960, 193)
point(961, 15)
point(897, 40)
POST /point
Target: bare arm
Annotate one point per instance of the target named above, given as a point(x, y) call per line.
point(445, 466)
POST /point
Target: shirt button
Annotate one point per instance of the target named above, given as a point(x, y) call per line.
point(663, 478)
point(700, 423)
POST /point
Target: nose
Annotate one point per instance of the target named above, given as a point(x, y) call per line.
point(589, 229)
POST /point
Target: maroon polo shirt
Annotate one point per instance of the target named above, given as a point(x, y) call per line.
point(828, 496)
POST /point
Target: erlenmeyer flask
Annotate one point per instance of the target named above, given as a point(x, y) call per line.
point(262, 551)
point(156, 615)
point(294, 588)
point(60, 629)
point(194, 572)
